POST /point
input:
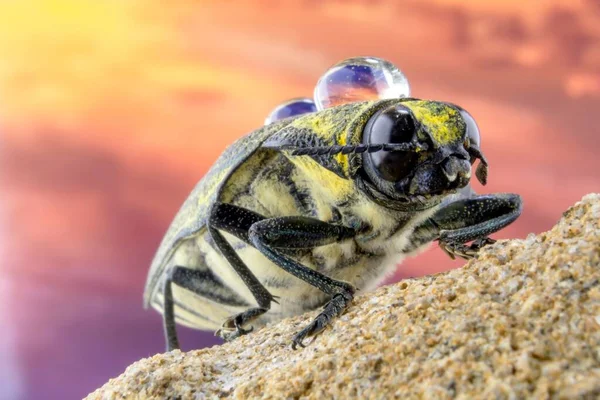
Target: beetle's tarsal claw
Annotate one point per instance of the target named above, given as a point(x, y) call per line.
point(316, 326)
point(334, 308)
point(465, 251)
point(447, 251)
point(479, 243)
point(229, 334)
point(458, 249)
point(232, 327)
point(299, 338)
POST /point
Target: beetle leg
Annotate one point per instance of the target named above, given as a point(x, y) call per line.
point(169, 313)
point(233, 326)
point(473, 219)
point(334, 308)
point(469, 219)
point(237, 221)
point(198, 282)
point(267, 235)
point(453, 249)
point(303, 232)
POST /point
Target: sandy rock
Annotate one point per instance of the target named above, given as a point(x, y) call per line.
point(521, 321)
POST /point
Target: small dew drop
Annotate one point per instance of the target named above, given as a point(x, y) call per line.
point(291, 108)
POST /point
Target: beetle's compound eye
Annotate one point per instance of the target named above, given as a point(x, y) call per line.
point(391, 125)
point(472, 129)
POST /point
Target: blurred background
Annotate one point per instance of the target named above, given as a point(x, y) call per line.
point(111, 111)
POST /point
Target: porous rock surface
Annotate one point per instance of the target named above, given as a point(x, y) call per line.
point(521, 321)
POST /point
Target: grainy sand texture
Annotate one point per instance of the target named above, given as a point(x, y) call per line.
point(520, 321)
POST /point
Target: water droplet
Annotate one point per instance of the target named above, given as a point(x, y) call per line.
point(360, 79)
point(291, 108)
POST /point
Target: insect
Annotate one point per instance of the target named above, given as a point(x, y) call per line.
point(303, 212)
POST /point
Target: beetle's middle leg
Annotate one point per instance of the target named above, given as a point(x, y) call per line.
point(237, 221)
point(272, 234)
point(269, 235)
point(233, 326)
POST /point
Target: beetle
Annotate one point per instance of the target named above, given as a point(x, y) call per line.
point(301, 213)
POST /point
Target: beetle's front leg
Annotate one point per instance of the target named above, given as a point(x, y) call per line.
point(473, 219)
point(302, 232)
point(466, 251)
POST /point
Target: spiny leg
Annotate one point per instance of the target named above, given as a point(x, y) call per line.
point(233, 326)
point(335, 307)
point(289, 232)
point(237, 221)
point(473, 219)
point(470, 219)
point(303, 232)
point(169, 314)
point(201, 282)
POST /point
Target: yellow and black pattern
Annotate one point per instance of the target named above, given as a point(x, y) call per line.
point(262, 177)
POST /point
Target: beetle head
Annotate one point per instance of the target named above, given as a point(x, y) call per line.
point(436, 144)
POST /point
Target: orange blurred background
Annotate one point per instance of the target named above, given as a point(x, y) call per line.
point(110, 111)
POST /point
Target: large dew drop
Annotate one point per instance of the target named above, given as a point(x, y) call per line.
point(360, 79)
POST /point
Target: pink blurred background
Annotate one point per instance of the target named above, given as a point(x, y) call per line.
point(110, 111)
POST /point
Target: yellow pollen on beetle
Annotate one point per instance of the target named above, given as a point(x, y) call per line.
point(438, 119)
